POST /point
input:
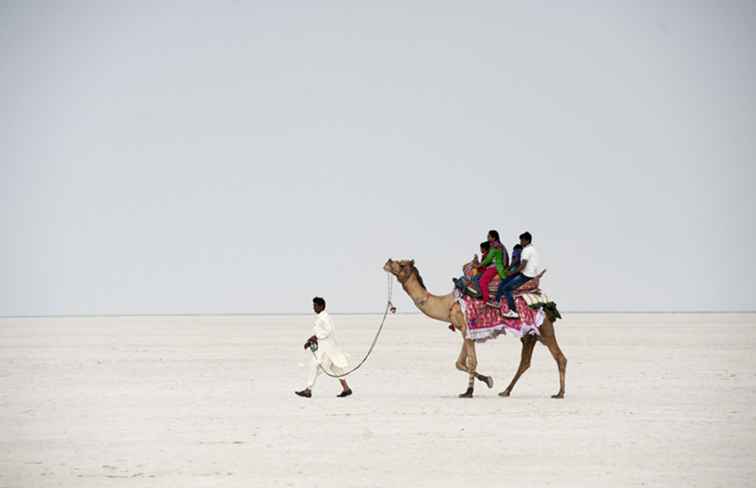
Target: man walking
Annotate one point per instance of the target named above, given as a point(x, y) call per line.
point(327, 355)
point(529, 267)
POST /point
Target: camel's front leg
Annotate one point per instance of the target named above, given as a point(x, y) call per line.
point(488, 380)
point(471, 363)
point(468, 359)
point(462, 365)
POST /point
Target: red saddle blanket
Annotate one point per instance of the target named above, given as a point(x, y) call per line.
point(485, 322)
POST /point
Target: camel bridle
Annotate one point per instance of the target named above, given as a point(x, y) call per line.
point(403, 276)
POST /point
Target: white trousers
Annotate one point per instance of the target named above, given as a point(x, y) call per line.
point(315, 370)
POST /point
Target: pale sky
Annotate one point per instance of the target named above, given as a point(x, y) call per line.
point(233, 157)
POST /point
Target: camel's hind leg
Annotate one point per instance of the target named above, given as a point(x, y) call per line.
point(528, 343)
point(549, 340)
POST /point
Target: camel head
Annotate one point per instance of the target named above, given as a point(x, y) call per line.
point(401, 269)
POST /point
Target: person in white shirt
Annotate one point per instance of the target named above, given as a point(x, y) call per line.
point(327, 355)
point(529, 267)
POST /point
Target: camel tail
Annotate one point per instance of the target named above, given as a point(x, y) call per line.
point(550, 309)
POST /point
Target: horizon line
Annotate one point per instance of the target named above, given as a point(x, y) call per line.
point(283, 314)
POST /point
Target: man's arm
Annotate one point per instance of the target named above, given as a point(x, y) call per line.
point(520, 266)
point(322, 329)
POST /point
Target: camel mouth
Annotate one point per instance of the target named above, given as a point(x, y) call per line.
point(387, 266)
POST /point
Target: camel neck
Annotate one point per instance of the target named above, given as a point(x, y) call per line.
point(435, 307)
point(416, 291)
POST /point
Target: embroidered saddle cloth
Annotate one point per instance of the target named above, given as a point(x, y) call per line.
point(485, 322)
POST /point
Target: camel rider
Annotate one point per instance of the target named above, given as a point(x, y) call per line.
point(529, 267)
point(461, 283)
point(516, 252)
point(327, 355)
point(495, 263)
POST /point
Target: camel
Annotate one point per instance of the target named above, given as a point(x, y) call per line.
point(445, 308)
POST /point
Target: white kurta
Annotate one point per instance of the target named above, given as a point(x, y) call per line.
point(328, 356)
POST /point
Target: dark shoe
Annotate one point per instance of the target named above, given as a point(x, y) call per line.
point(304, 393)
point(473, 292)
point(493, 304)
point(345, 393)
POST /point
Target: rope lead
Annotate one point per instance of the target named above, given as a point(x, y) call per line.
point(389, 308)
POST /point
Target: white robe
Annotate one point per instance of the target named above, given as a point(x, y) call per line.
point(328, 356)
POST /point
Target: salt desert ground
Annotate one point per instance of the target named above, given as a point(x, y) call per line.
point(652, 400)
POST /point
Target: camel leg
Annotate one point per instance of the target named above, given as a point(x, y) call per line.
point(472, 358)
point(472, 364)
point(549, 340)
point(468, 359)
point(528, 343)
point(464, 363)
point(461, 363)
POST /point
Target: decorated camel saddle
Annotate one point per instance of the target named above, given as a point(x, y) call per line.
point(485, 322)
point(530, 287)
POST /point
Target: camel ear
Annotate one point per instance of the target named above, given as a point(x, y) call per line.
point(412, 262)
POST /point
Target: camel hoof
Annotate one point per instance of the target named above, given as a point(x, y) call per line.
point(488, 380)
point(558, 395)
point(504, 393)
point(467, 394)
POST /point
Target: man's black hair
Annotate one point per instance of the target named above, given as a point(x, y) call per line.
point(517, 246)
point(526, 236)
point(495, 234)
point(319, 301)
point(485, 246)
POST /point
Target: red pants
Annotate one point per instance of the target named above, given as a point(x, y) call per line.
point(485, 280)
